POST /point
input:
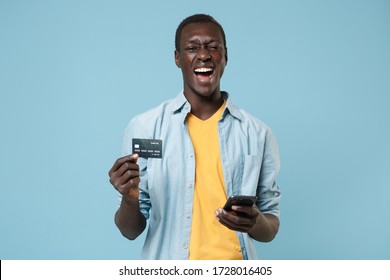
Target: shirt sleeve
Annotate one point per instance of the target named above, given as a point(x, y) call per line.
point(268, 191)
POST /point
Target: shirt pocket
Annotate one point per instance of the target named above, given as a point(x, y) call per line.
point(250, 174)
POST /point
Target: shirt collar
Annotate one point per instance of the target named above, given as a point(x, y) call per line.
point(181, 102)
point(230, 108)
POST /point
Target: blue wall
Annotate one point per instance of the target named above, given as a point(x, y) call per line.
point(73, 73)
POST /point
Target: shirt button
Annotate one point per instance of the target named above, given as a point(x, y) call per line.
point(190, 185)
point(185, 246)
point(191, 156)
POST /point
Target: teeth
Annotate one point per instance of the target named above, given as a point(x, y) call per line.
point(203, 70)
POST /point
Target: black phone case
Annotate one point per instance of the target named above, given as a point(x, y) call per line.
point(243, 200)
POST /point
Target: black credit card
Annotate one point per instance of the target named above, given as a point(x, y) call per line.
point(147, 148)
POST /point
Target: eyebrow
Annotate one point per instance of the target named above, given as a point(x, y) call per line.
point(197, 41)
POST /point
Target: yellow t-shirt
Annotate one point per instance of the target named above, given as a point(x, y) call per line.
point(209, 238)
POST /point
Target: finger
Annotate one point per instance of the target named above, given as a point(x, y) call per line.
point(124, 168)
point(123, 175)
point(249, 211)
point(130, 187)
point(233, 220)
point(232, 226)
point(128, 175)
point(119, 162)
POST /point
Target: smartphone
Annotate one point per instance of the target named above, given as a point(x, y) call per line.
point(244, 200)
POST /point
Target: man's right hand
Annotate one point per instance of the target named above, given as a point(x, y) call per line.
point(124, 176)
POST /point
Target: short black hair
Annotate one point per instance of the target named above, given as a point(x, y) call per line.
point(197, 18)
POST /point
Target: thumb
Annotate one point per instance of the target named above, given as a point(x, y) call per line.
point(134, 157)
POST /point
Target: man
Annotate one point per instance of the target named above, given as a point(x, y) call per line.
point(209, 151)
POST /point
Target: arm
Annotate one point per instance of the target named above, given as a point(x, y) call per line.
point(124, 176)
point(266, 228)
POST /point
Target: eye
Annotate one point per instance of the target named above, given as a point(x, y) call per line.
point(213, 47)
point(191, 48)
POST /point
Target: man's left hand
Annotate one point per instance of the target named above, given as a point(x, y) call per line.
point(241, 218)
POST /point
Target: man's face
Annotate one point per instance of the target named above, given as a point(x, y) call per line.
point(202, 58)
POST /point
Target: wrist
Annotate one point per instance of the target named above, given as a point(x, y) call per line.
point(130, 201)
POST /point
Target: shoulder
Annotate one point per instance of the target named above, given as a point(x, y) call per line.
point(145, 125)
point(258, 133)
point(250, 119)
point(249, 122)
point(147, 120)
point(154, 113)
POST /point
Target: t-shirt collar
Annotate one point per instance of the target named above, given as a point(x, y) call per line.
point(181, 102)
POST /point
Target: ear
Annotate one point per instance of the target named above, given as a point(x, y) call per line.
point(177, 59)
point(226, 56)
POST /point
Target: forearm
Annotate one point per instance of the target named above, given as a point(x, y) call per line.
point(266, 228)
point(129, 219)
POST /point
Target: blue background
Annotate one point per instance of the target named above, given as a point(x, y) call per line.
point(73, 73)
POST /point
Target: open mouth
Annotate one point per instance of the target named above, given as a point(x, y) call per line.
point(203, 72)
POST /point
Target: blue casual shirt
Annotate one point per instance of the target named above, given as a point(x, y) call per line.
point(250, 161)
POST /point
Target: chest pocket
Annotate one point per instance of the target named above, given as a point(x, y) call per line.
point(250, 174)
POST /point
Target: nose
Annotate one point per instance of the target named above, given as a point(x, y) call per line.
point(204, 53)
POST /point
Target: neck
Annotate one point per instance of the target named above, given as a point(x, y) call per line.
point(203, 107)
